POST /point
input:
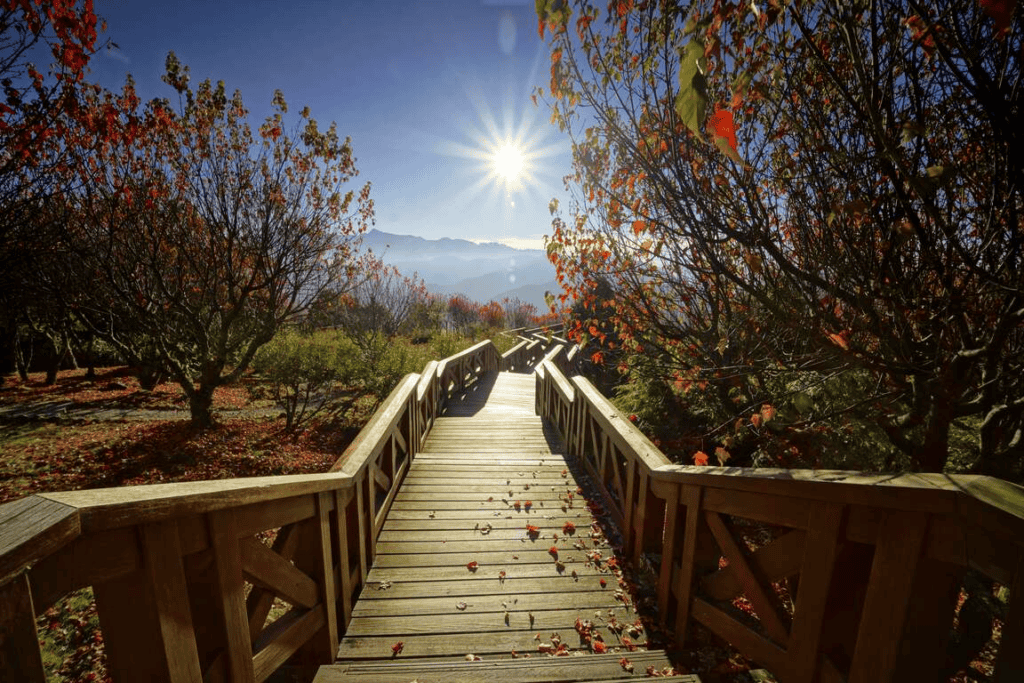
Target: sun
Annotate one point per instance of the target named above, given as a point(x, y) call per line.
point(508, 161)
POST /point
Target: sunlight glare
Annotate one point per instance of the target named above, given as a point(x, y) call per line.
point(508, 161)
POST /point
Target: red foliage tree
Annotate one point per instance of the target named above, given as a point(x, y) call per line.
point(790, 196)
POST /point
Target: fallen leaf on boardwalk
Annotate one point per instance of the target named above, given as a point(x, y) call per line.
point(383, 585)
point(603, 583)
point(565, 473)
point(575, 576)
point(528, 504)
point(553, 551)
point(516, 505)
point(474, 658)
point(432, 515)
point(568, 528)
point(501, 576)
point(546, 647)
point(559, 567)
point(472, 566)
point(532, 531)
point(626, 664)
point(598, 647)
point(487, 529)
point(526, 487)
point(461, 606)
point(397, 647)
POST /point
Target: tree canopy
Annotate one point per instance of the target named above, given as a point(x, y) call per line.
point(787, 198)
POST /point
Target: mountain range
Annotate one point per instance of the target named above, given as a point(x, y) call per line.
point(481, 271)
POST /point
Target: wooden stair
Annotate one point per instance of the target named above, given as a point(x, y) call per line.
point(464, 500)
point(590, 668)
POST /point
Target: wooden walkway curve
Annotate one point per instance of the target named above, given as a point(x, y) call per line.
point(490, 469)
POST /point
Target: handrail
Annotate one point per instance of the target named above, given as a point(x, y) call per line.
point(168, 563)
point(845, 576)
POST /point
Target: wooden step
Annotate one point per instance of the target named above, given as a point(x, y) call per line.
point(587, 668)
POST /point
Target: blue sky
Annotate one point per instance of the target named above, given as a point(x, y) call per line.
point(426, 89)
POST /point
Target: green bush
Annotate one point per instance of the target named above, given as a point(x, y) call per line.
point(305, 371)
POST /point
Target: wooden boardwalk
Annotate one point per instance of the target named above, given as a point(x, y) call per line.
point(460, 571)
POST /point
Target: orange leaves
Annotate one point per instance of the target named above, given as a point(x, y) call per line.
point(722, 127)
point(841, 339)
point(553, 552)
point(532, 531)
point(598, 646)
point(568, 528)
point(700, 458)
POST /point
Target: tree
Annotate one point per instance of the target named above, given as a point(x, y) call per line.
point(785, 196)
point(35, 100)
point(202, 237)
point(462, 313)
point(518, 313)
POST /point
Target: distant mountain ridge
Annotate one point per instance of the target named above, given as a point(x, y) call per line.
point(481, 271)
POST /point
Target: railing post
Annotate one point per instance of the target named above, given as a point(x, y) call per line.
point(231, 591)
point(20, 657)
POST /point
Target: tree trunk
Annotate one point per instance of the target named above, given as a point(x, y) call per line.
point(200, 405)
point(20, 361)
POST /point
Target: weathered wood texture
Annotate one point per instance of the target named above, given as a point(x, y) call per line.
point(817, 575)
point(184, 586)
point(489, 469)
point(606, 667)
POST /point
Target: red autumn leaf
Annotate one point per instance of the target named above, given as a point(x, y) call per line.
point(532, 531)
point(1001, 12)
point(700, 458)
point(528, 504)
point(598, 647)
point(398, 647)
point(568, 528)
point(553, 551)
point(755, 419)
point(603, 583)
point(767, 412)
point(723, 132)
point(472, 566)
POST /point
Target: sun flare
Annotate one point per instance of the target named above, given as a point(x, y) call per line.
point(508, 162)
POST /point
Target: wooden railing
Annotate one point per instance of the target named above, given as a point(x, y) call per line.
point(815, 575)
point(185, 575)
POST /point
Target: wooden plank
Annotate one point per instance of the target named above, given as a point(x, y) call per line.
point(31, 529)
point(819, 558)
point(518, 583)
point(345, 584)
point(788, 512)
point(85, 561)
point(691, 498)
point(752, 588)
point(325, 578)
point(673, 536)
point(540, 670)
point(561, 620)
point(165, 571)
point(897, 552)
point(751, 644)
point(260, 601)
point(778, 560)
point(231, 589)
point(252, 519)
point(1010, 660)
point(111, 508)
point(20, 656)
point(266, 569)
point(283, 638)
point(492, 602)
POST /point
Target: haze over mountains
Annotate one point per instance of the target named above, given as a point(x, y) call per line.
point(482, 272)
